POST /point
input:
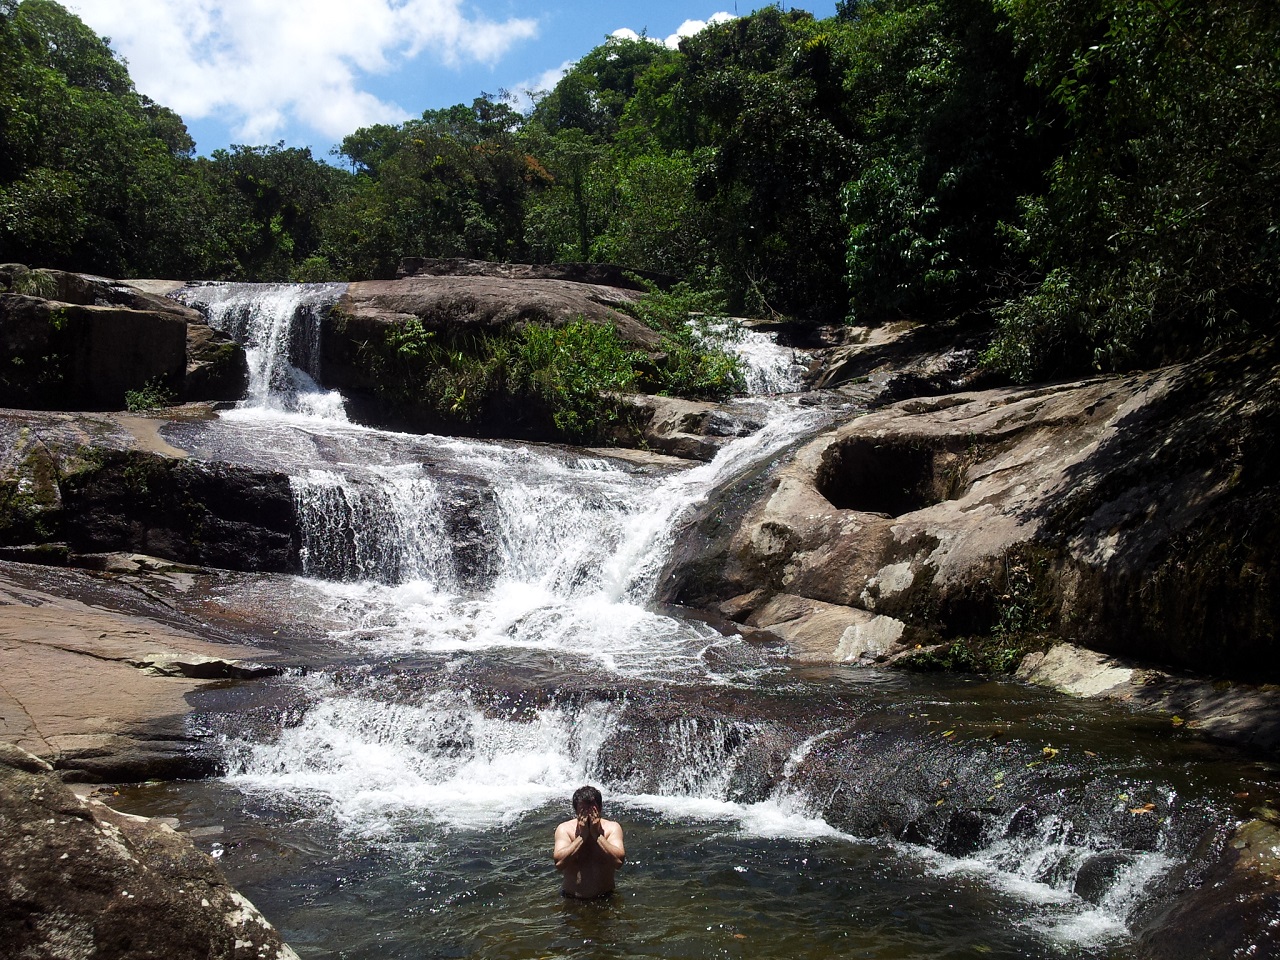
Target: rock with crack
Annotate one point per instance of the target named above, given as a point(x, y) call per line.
point(101, 694)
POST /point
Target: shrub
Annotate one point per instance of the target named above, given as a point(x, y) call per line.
point(153, 395)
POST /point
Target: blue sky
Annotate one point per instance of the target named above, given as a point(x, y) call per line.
point(310, 71)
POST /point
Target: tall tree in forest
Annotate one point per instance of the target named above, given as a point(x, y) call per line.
point(1160, 231)
point(93, 176)
point(948, 137)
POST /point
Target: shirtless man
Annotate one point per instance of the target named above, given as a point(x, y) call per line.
point(588, 848)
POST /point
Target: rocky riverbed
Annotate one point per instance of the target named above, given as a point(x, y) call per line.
point(1111, 538)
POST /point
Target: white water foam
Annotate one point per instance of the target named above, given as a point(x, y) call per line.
point(569, 551)
point(370, 764)
point(278, 324)
point(767, 367)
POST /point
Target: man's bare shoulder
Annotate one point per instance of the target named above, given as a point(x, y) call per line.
point(569, 827)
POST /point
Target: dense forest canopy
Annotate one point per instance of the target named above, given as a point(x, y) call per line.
point(1099, 178)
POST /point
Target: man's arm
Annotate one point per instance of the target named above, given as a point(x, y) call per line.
point(609, 840)
point(566, 846)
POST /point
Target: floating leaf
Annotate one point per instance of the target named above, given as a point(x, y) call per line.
point(1122, 796)
point(1145, 808)
point(1050, 752)
point(1090, 753)
point(1178, 721)
point(948, 733)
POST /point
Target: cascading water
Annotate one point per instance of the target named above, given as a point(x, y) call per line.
point(767, 367)
point(279, 326)
point(494, 645)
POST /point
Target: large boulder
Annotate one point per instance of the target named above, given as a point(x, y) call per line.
point(455, 308)
point(689, 429)
point(73, 341)
point(69, 356)
point(597, 274)
point(101, 483)
point(1136, 515)
point(82, 880)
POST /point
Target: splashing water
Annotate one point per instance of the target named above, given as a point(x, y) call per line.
point(768, 367)
point(497, 601)
point(279, 327)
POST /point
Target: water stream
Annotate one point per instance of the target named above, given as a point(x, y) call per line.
point(491, 643)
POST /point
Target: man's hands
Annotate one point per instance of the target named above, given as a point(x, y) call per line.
point(589, 825)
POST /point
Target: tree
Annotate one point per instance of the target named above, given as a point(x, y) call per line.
point(1159, 233)
point(88, 168)
point(766, 123)
point(948, 137)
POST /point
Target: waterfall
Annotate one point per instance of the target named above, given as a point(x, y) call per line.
point(767, 367)
point(390, 531)
point(278, 324)
point(495, 643)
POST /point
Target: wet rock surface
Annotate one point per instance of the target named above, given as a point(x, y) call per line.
point(82, 880)
point(1229, 909)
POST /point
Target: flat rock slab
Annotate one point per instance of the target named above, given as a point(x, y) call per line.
point(1242, 714)
point(99, 693)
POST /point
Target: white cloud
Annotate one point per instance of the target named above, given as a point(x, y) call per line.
point(692, 27)
point(626, 33)
point(687, 29)
point(261, 63)
point(542, 83)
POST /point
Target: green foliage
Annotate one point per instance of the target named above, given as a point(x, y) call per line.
point(763, 116)
point(1100, 177)
point(151, 396)
point(573, 369)
point(35, 283)
point(270, 203)
point(314, 269)
point(568, 374)
point(691, 366)
point(1157, 236)
point(654, 221)
point(949, 136)
point(91, 173)
point(451, 184)
point(592, 97)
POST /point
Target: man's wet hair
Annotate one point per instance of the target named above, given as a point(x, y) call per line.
point(585, 797)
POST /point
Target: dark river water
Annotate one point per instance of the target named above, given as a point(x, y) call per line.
point(480, 641)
